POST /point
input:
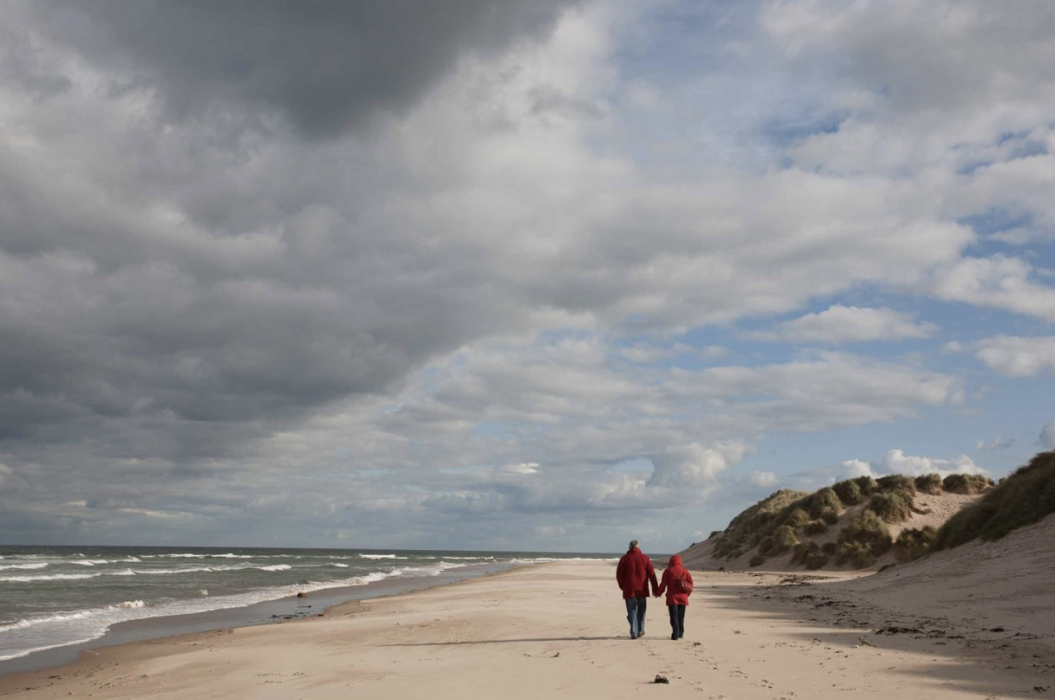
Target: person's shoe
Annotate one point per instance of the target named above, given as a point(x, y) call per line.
point(674, 637)
point(640, 635)
point(633, 636)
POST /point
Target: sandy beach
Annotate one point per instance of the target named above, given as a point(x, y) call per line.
point(557, 630)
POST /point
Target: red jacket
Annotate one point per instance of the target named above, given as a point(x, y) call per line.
point(674, 571)
point(634, 573)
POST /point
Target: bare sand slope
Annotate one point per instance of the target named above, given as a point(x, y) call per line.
point(553, 631)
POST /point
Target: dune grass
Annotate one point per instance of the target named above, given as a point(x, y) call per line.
point(863, 540)
point(815, 527)
point(897, 482)
point(848, 492)
point(797, 518)
point(966, 483)
point(823, 501)
point(930, 483)
point(1023, 498)
point(892, 507)
point(913, 543)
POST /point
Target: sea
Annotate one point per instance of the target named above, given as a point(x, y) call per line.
point(70, 598)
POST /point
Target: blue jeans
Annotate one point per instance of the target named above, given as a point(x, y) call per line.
point(677, 621)
point(635, 615)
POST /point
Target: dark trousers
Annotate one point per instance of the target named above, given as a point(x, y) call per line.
point(635, 615)
point(677, 621)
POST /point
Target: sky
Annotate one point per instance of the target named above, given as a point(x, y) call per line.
point(507, 275)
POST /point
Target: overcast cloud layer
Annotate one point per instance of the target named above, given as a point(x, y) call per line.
point(511, 275)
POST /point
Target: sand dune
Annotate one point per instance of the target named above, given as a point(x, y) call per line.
point(927, 510)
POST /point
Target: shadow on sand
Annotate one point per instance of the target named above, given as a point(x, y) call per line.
point(989, 666)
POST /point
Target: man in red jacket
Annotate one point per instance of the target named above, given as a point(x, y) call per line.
point(633, 574)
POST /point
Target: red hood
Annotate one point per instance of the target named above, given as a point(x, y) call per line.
point(674, 561)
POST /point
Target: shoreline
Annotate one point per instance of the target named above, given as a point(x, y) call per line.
point(554, 630)
point(276, 611)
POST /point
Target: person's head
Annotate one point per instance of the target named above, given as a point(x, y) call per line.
point(633, 545)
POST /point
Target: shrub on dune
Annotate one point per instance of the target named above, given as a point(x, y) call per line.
point(797, 518)
point(897, 482)
point(929, 483)
point(757, 560)
point(866, 485)
point(966, 483)
point(848, 492)
point(913, 543)
point(782, 539)
point(815, 527)
point(830, 516)
point(893, 507)
point(824, 499)
point(863, 540)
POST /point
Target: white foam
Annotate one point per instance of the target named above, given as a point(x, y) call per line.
point(40, 565)
point(48, 577)
point(338, 564)
point(89, 562)
point(275, 567)
point(380, 556)
point(132, 604)
point(188, 555)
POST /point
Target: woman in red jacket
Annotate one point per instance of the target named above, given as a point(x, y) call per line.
point(677, 583)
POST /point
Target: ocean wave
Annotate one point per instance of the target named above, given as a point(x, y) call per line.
point(47, 577)
point(275, 567)
point(190, 570)
point(88, 562)
point(338, 564)
point(468, 558)
point(39, 565)
point(189, 555)
point(380, 556)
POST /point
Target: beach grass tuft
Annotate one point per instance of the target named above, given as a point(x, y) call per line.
point(892, 507)
point(930, 483)
point(913, 543)
point(863, 540)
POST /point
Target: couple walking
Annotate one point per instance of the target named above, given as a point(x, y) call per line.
point(635, 573)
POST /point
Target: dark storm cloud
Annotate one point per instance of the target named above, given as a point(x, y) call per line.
point(323, 64)
point(133, 333)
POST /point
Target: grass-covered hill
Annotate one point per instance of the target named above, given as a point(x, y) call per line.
point(855, 524)
point(1023, 498)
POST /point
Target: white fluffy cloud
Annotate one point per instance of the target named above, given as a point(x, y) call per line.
point(1017, 357)
point(897, 462)
point(842, 324)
